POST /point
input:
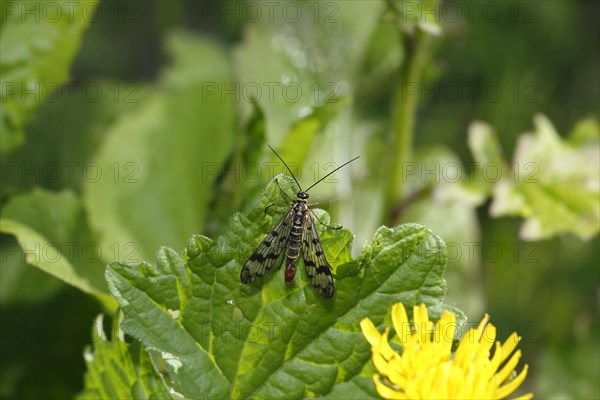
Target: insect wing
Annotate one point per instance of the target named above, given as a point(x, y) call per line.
point(317, 267)
point(268, 251)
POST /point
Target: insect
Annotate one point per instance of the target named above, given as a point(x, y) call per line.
point(295, 231)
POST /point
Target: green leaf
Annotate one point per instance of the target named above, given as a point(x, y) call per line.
point(38, 44)
point(554, 184)
point(301, 73)
point(359, 387)
point(585, 131)
point(305, 129)
point(487, 152)
point(116, 370)
point(21, 284)
point(51, 230)
point(222, 339)
point(159, 163)
point(81, 122)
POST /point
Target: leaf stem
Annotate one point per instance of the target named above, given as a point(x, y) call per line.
point(417, 49)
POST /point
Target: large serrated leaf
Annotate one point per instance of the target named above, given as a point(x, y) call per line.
point(117, 370)
point(223, 339)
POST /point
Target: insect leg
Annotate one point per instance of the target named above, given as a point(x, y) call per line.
point(280, 204)
point(275, 205)
point(324, 224)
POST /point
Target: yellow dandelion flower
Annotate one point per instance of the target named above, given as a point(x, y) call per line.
point(426, 368)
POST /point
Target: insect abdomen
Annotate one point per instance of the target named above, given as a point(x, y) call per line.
point(294, 241)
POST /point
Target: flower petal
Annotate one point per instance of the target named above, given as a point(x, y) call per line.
point(371, 333)
point(509, 345)
point(444, 331)
point(401, 324)
point(384, 346)
point(426, 368)
point(482, 324)
point(513, 385)
point(509, 367)
point(423, 325)
point(489, 336)
point(380, 363)
point(387, 392)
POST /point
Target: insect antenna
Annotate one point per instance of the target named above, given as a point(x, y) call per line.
point(344, 164)
point(288, 168)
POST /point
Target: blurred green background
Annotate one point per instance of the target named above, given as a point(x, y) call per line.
point(131, 125)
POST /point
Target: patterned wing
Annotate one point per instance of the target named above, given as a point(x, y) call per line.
point(268, 251)
point(317, 267)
